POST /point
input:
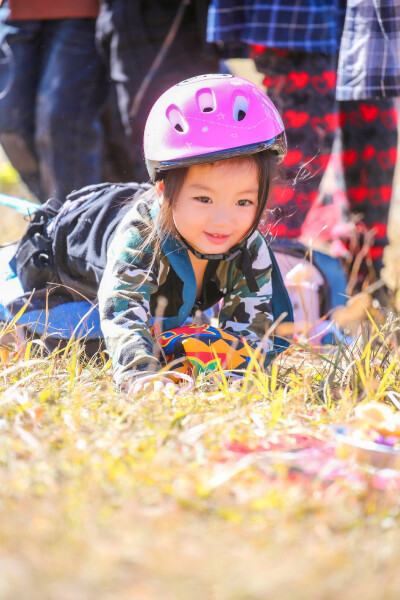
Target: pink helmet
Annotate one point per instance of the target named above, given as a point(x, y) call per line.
point(209, 118)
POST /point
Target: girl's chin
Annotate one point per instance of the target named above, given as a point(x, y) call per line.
point(212, 248)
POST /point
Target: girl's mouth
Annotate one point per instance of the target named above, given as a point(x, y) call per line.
point(216, 238)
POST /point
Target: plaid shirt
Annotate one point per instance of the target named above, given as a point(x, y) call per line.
point(307, 25)
point(369, 58)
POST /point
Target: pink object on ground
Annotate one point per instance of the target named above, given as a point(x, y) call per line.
point(316, 458)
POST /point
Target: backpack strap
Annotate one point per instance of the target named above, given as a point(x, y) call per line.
point(280, 302)
point(33, 260)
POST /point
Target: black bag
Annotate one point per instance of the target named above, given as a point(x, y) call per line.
point(67, 243)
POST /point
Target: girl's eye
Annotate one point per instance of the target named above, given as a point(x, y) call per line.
point(203, 199)
point(245, 202)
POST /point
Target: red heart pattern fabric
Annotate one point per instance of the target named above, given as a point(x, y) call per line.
point(302, 86)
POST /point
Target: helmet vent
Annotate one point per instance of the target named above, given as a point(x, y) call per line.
point(206, 100)
point(240, 107)
point(176, 119)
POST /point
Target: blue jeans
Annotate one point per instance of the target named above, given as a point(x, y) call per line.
point(52, 87)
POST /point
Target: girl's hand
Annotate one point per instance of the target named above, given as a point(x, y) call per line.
point(150, 383)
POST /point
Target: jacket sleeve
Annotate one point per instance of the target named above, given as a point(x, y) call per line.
point(244, 313)
point(130, 277)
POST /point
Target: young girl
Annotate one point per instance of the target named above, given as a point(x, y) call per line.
point(211, 145)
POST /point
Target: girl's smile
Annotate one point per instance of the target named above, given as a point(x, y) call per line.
point(217, 204)
point(216, 238)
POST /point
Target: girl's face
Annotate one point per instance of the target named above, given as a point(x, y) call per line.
point(217, 205)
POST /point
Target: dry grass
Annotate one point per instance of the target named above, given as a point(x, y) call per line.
point(200, 495)
point(107, 496)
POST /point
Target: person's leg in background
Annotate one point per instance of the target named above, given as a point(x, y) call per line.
point(71, 93)
point(116, 159)
point(20, 63)
point(117, 164)
point(302, 86)
point(369, 154)
point(391, 255)
point(131, 35)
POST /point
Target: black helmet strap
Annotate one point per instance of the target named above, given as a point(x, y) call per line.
point(239, 251)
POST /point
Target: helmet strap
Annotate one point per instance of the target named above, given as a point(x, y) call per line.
point(239, 251)
point(230, 255)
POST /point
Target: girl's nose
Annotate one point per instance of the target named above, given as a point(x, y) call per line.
point(221, 215)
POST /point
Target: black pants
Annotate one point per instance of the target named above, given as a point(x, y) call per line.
point(130, 34)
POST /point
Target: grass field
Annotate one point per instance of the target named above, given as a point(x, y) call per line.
point(201, 495)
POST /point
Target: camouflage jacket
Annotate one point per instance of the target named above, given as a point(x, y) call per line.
point(137, 277)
